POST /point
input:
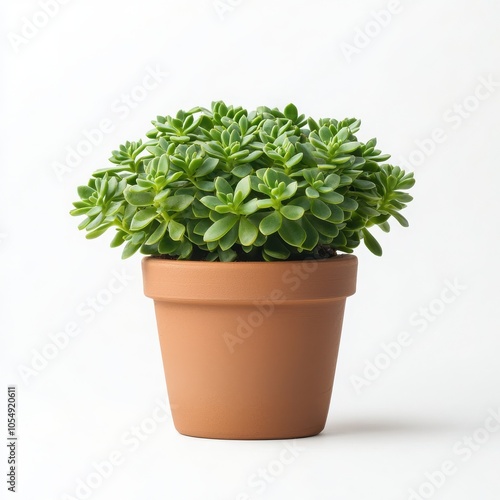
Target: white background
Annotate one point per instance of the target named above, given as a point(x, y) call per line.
point(405, 80)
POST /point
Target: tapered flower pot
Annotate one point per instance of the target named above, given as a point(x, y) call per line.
point(250, 348)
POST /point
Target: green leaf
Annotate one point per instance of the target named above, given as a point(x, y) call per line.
point(333, 198)
point(155, 150)
point(226, 255)
point(158, 233)
point(201, 227)
point(361, 184)
point(339, 241)
point(143, 218)
point(348, 147)
point(371, 243)
point(163, 164)
point(103, 186)
point(348, 205)
point(176, 230)
point(85, 192)
point(402, 220)
point(112, 187)
point(311, 192)
point(294, 160)
point(337, 216)
point(312, 236)
point(242, 170)
point(118, 239)
point(247, 232)
point(273, 154)
point(326, 228)
point(224, 209)
point(302, 201)
point(325, 134)
point(211, 202)
point(332, 181)
point(168, 246)
point(392, 182)
point(254, 155)
point(312, 124)
point(291, 112)
point(266, 203)
point(222, 186)
point(243, 188)
point(320, 209)
point(385, 227)
point(178, 202)
point(185, 249)
point(179, 162)
point(95, 222)
point(84, 223)
point(249, 207)
point(204, 185)
point(138, 197)
point(276, 249)
point(180, 139)
point(306, 150)
point(207, 167)
point(406, 183)
point(238, 155)
point(145, 183)
point(79, 211)
point(130, 211)
point(403, 197)
point(214, 149)
point(162, 195)
point(114, 208)
point(130, 248)
point(289, 191)
point(219, 228)
point(292, 233)
point(229, 239)
point(271, 223)
point(97, 232)
point(94, 211)
point(292, 212)
point(356, 222)
point(367, 211)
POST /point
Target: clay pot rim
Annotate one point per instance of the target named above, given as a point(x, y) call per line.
point(340, 256)
point(294, 280)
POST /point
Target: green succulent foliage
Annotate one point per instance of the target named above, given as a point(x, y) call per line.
point(227, 184)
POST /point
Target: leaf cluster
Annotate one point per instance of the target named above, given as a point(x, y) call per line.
point(227, 184)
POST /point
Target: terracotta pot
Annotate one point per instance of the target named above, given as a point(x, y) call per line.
point(250, 348)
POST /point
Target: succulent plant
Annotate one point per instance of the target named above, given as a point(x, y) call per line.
point(227, 184)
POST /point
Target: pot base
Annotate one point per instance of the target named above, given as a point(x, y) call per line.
point(253, 437)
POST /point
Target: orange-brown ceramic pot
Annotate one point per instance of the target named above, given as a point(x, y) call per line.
point(250, 348)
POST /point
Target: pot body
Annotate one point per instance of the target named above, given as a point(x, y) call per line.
point(250, 348)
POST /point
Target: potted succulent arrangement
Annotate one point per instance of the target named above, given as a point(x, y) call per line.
point(248, 220)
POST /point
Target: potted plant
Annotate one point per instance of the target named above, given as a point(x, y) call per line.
point(248, 220)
